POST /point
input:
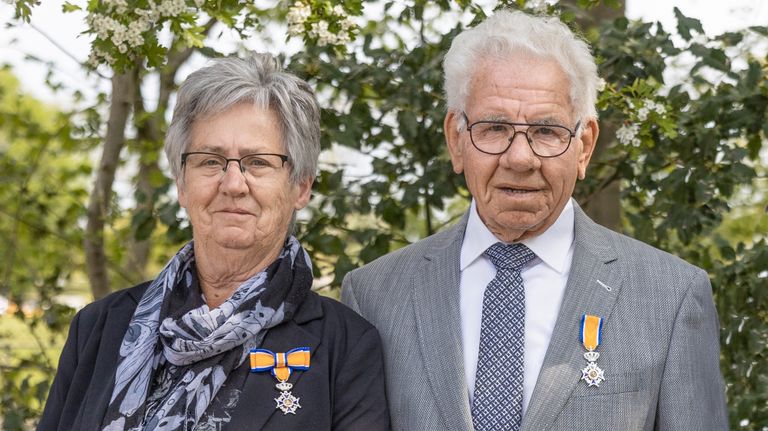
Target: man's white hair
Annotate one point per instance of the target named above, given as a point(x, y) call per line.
point(509, 35)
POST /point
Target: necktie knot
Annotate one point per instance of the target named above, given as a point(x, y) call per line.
point(509, 256)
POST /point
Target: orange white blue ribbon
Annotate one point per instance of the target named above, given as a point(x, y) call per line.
point(591, 334)
point(281, 364)
point(591, 331)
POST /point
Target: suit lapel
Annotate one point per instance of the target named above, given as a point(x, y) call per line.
point(437, 315)
point(592, 288)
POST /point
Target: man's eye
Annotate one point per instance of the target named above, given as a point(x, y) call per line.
point(489, 130)
point(545, 131)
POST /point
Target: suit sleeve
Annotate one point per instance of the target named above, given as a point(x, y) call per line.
point(692, 392)
point(360, 401)
point(57, 395)
point(348, 294)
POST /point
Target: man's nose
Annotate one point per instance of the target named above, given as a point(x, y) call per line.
point(519, 156)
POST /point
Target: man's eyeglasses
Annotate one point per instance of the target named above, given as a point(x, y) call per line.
point(212, 165)
point(495, 137)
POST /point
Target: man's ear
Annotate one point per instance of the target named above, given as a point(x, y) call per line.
point(452, 139)
point(588, 142)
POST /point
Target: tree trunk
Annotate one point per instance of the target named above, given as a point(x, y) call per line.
point(148, 141)
point(604, 205)
point(123, 85)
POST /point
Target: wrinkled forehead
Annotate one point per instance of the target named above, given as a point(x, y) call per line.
point(523, 84)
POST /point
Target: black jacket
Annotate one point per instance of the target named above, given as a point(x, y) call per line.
point(342, 390)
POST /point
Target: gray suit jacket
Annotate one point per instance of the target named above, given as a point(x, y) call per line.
point(659, 351)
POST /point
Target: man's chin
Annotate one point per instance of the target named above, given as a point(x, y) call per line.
point(511, 226)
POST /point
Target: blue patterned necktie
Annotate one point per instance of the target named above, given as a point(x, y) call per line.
point(498, 403)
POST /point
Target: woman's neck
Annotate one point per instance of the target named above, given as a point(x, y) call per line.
point(222, 270)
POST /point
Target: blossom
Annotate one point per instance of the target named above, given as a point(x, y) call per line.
point(648, 107)
point(298, 14)
point(93, 60)
point(346, 24)
point(119, 6)
point(102, 25)
point(627, 134)
point(171, 8)
point(320, 31)
point(96, 57)
point(600, 84)
point(642, 113)
point(296, 29)
point(134, 32)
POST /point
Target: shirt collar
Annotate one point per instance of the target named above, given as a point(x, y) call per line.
point(551, 246)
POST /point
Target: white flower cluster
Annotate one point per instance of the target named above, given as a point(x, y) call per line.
point(130, 36)
point(297, 16)
point(122, 36)
point(119, 6)
point(649, 106)
point(169, 8)
point(601, 84)
point(97, 56)
point(299, 13)
point(627, 134)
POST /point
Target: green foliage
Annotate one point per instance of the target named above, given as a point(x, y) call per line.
point(42, 188)
point(691, 113)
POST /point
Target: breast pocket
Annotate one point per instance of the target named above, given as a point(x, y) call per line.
point(621, 402)
point(614, 384)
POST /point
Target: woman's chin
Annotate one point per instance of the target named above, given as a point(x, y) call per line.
point(237, 239)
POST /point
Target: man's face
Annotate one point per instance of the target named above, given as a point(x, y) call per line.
point(518, 194)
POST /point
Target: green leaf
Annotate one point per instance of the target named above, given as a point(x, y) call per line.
point(69, 7)
point(685, 25)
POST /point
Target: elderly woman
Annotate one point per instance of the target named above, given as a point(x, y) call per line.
point(229, 334)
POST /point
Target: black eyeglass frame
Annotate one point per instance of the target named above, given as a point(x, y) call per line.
point(239, 161)
point(571, 135)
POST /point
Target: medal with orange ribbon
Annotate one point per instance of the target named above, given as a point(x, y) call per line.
point(281, 365)
point(590, 334)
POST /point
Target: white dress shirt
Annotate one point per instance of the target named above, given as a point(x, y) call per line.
point(544, 281)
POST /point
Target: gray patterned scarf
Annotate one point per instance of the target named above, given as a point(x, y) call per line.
point(207, 344)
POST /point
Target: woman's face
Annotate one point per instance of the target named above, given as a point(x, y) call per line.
point(233, 209)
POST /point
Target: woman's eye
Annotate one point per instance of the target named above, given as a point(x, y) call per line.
point(211, 162)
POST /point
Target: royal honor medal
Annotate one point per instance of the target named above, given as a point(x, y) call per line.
point(281, 365)
point(591, 333)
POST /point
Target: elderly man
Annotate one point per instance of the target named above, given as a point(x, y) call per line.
point(526, 315)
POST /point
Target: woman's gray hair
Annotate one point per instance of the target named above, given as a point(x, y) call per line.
point(507, 34)
point(257, 80)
